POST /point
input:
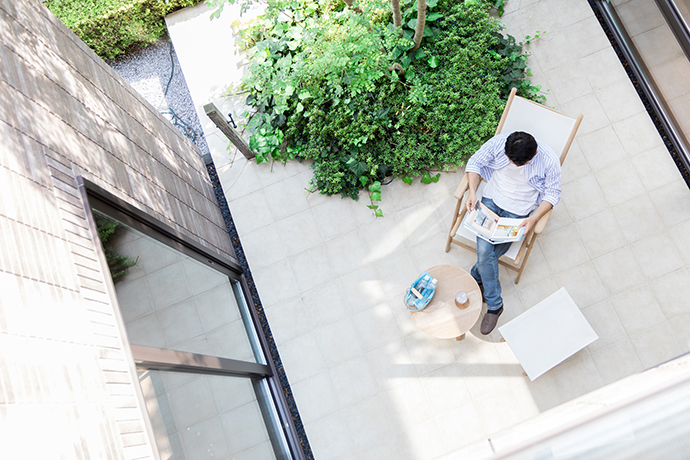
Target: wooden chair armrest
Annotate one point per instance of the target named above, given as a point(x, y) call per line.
point(541, 224)
point(528, 240)
point(462, 188)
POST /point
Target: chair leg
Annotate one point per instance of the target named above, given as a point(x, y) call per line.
point(517, 280)
point(530, 245)
point(452, 225)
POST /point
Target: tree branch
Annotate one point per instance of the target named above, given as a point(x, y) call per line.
point(397, 17)
point(421, 21)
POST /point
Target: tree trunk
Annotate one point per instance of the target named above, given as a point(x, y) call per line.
point(397, 17)
point(421, 21)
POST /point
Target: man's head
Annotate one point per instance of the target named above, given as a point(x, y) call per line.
point(521, 148)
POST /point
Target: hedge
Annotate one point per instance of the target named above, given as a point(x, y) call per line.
point(115, 27)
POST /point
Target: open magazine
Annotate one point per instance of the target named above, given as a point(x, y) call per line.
point(496, 230)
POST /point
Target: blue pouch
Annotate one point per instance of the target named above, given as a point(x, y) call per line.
point(425, 288)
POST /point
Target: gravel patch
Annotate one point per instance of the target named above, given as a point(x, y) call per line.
point(148, 71)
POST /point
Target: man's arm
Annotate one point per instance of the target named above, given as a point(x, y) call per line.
point(488, 158)
point(473, 179)
point(552, 182)
point(552, 195)
point(530, 221)
point(482, 163)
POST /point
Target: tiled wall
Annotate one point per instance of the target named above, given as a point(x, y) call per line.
point(67, 387)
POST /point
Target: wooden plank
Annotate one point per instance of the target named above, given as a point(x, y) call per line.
point(219, 120)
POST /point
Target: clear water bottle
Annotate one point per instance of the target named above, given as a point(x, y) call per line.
point(426, 288)
point(423, 284)
point(429, 290)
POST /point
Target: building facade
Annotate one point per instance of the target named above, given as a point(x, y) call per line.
point(79, 360)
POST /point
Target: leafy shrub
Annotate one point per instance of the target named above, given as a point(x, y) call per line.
point(498, 4)
point(516, 72)
point(324, 87)
point(113, 27)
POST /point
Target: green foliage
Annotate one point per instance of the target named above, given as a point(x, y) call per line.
point(498, 4)
point(112, 27)
point(516, 71)
point(344, 90)
point(427, 178)
point(375, 195)
point(117, 263)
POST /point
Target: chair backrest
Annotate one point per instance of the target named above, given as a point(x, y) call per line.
point(546, 125)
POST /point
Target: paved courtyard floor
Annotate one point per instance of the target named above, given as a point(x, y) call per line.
point(368, 383)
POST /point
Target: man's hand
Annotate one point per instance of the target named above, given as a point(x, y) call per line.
point(528, 223)
point(473, 180)
point(471, 200)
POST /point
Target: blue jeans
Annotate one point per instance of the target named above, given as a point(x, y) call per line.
point(485, 271)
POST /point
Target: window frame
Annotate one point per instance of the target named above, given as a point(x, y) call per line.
point(263, 375)
point(677, 22)
point(648, 89)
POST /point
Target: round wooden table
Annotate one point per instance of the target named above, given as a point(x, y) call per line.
point(441, 318)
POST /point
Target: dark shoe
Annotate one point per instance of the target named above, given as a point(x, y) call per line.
point(490, 320)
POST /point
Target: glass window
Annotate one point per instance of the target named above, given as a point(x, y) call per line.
point(169, 300)
point(201, 359)
point(205, 416)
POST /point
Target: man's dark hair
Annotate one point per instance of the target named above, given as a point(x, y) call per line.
point(521, 147)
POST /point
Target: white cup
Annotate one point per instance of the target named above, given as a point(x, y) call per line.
point(461, 299)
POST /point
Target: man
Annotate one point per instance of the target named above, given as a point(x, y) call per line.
point(524, 180)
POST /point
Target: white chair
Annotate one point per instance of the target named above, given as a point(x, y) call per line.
point(546, 125)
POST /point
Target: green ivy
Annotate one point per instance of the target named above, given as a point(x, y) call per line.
point(516, 72)
point(343, 89)
point(498, 4)
point(113, 27)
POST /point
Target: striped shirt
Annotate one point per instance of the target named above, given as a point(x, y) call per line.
point(543, 172)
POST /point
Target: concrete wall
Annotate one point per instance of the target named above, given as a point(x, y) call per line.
point(67, 389)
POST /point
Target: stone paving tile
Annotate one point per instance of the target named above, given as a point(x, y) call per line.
point(334, 275)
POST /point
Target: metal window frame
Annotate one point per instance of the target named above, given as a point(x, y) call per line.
point(172, 360)
point(642, 74)
point(105, 202)
point(263, 375)
point(677, 22)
